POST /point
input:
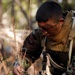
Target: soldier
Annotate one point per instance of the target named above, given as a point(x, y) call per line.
point(53, 34)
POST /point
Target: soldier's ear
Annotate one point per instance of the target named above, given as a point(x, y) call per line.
point(61, 20)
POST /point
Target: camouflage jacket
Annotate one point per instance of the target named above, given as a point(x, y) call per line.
point(34, 43)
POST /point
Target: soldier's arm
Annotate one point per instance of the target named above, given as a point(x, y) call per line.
point(32, 46)
point(32, 50)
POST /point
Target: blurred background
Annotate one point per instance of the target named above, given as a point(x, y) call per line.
point(21, 13)
point(17, 20)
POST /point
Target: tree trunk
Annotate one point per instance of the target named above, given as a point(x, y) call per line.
point(0, 12)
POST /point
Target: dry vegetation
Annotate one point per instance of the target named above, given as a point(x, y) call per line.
point(10, 45)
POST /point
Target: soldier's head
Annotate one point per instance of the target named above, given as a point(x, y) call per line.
point(49, 18)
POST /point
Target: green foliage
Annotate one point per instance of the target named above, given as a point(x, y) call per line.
point(26, 64)
point(5, 4)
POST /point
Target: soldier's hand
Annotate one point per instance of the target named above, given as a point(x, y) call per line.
point(17, 69)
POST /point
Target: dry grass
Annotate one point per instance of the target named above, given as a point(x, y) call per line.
point(9, 48)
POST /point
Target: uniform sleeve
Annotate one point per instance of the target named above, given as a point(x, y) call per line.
point(32, 47)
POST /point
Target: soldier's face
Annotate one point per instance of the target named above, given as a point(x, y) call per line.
point(50, 28)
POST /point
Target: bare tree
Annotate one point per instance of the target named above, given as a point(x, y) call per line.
point(0, 12)
point(24, 11)
point(67, 6)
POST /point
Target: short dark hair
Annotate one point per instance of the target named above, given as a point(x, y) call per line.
point(49, 10)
